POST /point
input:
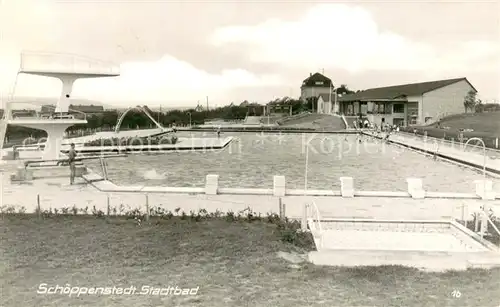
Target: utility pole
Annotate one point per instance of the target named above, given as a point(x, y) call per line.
point(330, 92)
point(207, 103)
point(312, 100)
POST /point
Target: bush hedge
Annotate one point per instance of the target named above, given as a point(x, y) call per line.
point(288, 230)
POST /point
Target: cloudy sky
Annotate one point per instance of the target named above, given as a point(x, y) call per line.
point(178, 52)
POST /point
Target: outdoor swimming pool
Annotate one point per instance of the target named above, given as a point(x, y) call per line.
point(253, 159)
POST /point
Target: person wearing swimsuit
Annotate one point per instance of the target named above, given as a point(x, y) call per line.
point(71, 161)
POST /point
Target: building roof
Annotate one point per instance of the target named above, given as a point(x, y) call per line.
point(401, 91)
point(317, 77)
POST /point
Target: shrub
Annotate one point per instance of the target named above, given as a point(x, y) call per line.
point(288, 231)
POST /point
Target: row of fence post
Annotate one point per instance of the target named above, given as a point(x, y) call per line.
point(108, 206)
point(282, 210)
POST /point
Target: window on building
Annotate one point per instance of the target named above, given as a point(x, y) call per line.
point(319, 83)
point(387, 108)
point(382, 108)
point(399, 108)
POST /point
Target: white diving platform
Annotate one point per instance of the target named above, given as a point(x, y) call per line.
point(67, 68)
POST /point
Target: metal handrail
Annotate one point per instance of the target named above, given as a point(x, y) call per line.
point(483, 147)
point(38, 114)
point(69, 110)
point(492, 224)
point(447, 141)
point(318, 219)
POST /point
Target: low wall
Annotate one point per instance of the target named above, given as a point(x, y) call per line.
point(100, 195)
point(414, 191)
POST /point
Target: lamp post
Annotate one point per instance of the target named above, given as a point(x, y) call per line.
point(335, 104)
point(484, 177)
point(189, 119)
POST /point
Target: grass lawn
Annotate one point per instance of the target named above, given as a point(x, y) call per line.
point(484, 125)
point(234, 263)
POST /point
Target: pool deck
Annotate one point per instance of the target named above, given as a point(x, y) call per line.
point(470, 155)
point(183, 144)
point(56, 193)
point(119, 134)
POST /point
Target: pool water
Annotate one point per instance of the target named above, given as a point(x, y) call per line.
point(252, 160)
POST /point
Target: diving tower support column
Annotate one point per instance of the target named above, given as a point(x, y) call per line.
point(62, 105)
point(55, 129)
point(55, 135)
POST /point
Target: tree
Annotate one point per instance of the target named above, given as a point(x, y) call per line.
point(487, 107)
point(344, 90)
point(470, 101)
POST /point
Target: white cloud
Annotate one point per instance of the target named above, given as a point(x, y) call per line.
point(170, 79)
point(167, 79)
point(40, 26)
point(334, 35)
point(341, 36)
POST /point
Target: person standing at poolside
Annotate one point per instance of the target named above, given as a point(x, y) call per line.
point(71, 161)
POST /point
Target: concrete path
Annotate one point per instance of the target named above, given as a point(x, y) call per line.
point(57, 193)
point(454, 150)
